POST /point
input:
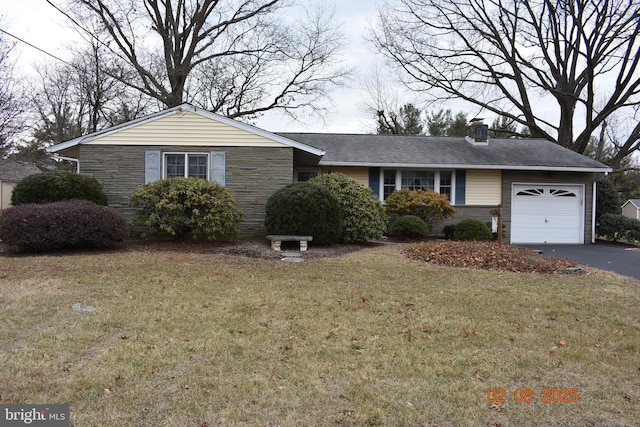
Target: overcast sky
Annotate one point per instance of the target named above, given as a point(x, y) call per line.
point(39, 23)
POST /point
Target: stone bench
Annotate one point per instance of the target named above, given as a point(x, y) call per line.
point(277, 239)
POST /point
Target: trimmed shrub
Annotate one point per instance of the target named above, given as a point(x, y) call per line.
point(410, 226)
point(618, 227)
point(472, 229)
point(186, 207)
point(607, 199)
point(305, 208)
point(430, 206)
point(449, 231)
point(69, 224)
point(49, 187)
point(363, 216)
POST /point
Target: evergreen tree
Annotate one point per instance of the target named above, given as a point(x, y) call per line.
point(406, 121)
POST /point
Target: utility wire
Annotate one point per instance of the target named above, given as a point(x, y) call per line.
point(91, 34)
point(36, 47)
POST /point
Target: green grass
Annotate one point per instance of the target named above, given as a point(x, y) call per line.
point(371, 338)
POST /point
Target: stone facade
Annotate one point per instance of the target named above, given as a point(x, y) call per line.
point(253, 174)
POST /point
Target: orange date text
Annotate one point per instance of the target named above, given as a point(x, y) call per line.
point(527, 395)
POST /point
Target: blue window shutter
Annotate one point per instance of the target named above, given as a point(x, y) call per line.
point(152, 165)
point(217, 166)
point(374, 181)
point(461, 185)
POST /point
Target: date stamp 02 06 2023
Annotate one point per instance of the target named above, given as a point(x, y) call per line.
point(548, 395)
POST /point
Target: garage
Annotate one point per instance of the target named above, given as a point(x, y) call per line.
point(547, 213)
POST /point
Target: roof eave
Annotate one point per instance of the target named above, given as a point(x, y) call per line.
point(468, 166)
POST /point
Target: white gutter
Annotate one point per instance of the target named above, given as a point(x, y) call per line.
point(593, 213)
point(465, 166)
point(71, 159)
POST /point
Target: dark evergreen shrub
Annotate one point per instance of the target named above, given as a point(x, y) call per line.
point(68, 224)
point(618, 227)
point(305, 208)
point(410, 226)
point(187, 207)
point(471, 229)
point(449, 231)
point(363, 216)
point(49, 187)
point(607, 198)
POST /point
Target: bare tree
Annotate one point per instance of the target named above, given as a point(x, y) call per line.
point(236, 57)
point(521, 58)
point(11, 106)
point(79, 97)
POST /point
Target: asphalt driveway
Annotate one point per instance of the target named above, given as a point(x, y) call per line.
point(616, 258)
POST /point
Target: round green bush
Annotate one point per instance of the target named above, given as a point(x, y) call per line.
point(618, 228)
point(471, 229)
point(68, 224)
point(49, 187)
point(305, 208)
point(186, 207)
point(363, 216)
point(449, 231)
point(410, 226)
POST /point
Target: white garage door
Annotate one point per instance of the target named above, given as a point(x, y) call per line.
point(547, 213)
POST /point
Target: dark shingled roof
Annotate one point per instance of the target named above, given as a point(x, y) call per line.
point(450, 152)
point(13, 170)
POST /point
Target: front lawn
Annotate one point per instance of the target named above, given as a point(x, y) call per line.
point(370, 338)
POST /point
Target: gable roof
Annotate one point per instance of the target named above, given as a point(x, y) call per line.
point(14, 170)
point(445, 152)
point(178, 110)
point(634, 202)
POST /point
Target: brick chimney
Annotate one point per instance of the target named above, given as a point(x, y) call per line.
point(477, 132)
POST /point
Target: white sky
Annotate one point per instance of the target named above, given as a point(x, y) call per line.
point(38, 23)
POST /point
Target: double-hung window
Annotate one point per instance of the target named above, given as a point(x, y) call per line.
point(438, 181)
point(209, 166)
point(188, 165)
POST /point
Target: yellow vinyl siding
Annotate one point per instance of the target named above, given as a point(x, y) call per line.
point(484, 187)
point(360, 174)
point(185, 128)
point(5, 194)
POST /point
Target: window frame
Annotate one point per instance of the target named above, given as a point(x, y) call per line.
point(186, 162)
point(385, 173)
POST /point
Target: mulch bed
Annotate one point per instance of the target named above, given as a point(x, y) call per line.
point(247, 248)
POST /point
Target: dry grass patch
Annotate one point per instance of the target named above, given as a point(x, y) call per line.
point(371, 338)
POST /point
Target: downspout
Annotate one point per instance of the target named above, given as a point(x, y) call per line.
point(71, 159)
point(593, 213)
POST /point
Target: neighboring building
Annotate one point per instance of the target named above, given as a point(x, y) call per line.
point(631, 208)
point(12, 172)
point(545, 191)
